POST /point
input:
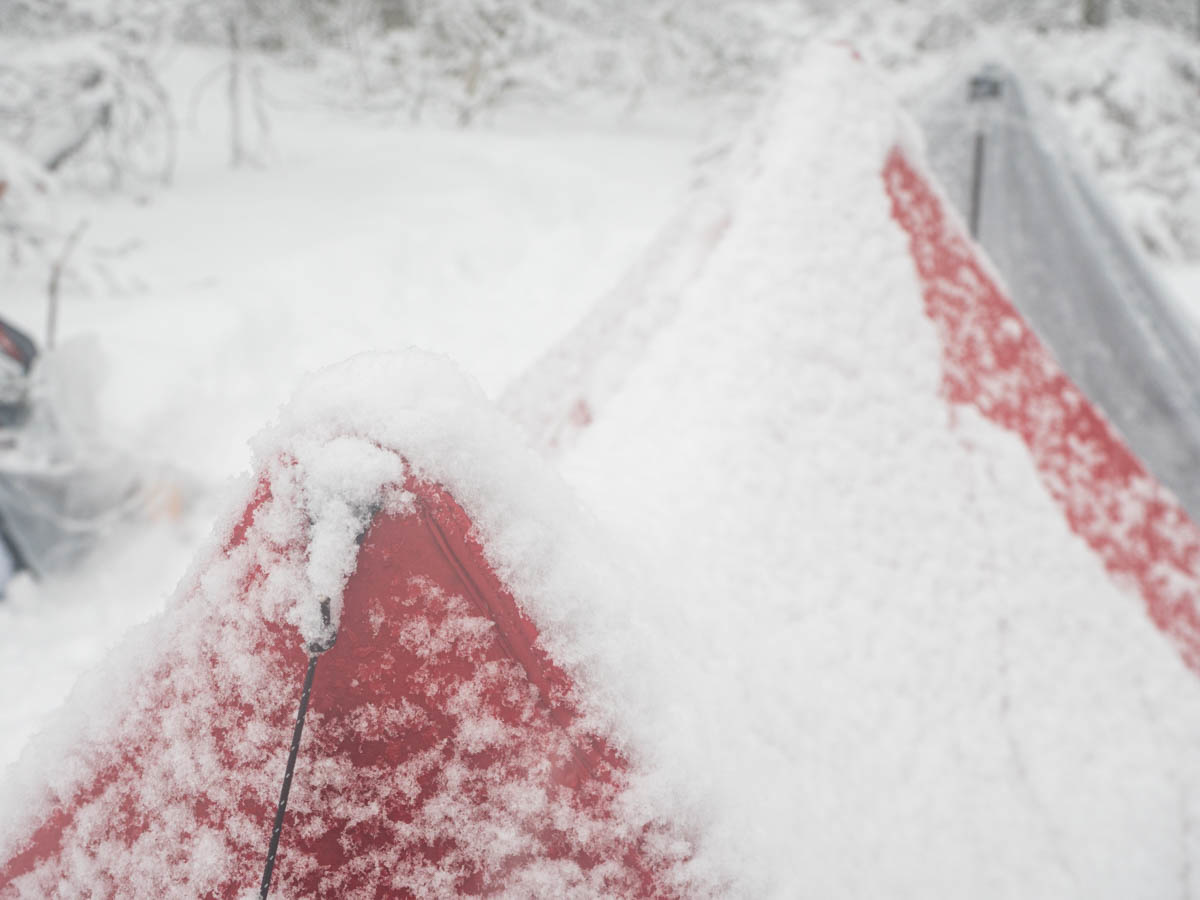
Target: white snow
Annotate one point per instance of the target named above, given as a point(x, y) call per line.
point(841, 630)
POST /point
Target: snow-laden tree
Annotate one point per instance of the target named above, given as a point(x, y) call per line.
point(465, 57)
point(80, 103)
point(1128, 93)
point(81, 95)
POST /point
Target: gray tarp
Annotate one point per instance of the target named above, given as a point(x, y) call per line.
point(61, 487)
point(55, 515)
point(1073, 271)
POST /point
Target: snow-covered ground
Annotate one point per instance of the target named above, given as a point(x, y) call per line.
point(354, 236)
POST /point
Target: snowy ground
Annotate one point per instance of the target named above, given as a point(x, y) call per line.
point(354, 236)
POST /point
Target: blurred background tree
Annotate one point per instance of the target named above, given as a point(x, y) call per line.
point(82, 103)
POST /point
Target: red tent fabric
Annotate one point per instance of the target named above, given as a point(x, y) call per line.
point(994, 362)
point(442, 754)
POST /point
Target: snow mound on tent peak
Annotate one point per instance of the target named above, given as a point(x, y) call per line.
point(380, 396)
point(343, 445)
point(570, 385)
point(352, 432)
point(925, 683)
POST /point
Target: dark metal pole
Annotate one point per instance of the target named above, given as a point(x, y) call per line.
point(984, 86)
point(315, 649)
point(977, 182)
point(281, 809)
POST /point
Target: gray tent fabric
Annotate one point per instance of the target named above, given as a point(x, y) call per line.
point(54, 516)
point(1071, 269)
point(61, 487)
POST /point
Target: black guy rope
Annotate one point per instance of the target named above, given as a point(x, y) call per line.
point(315, 649)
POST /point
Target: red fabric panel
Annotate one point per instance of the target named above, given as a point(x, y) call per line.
point(993, 361)
point(442, 754)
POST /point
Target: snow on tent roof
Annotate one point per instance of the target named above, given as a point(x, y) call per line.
point(889, 516)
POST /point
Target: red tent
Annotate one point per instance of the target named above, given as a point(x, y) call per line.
point(993, 360)
point(442, 752)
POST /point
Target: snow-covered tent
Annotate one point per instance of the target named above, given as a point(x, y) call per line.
point(858, 459)
point(810, 618)
point(394, 551)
